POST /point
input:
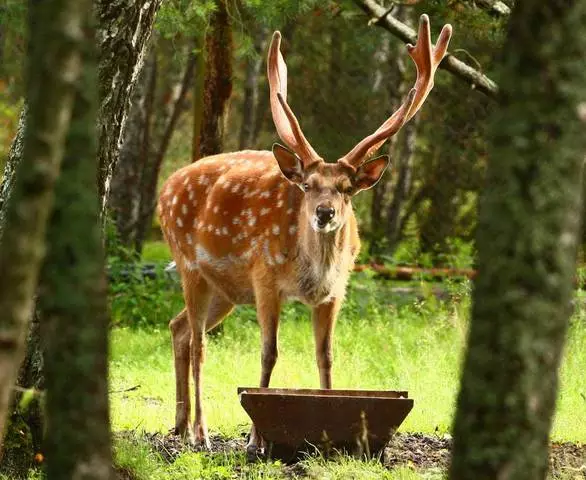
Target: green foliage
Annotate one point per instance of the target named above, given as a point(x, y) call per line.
point(137, 301)
point(184, 18)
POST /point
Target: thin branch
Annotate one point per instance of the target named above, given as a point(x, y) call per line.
point(380, 17)
point(494, 7)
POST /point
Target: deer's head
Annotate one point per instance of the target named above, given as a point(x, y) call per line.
point(329, 187)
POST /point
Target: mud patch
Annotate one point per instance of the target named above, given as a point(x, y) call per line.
point(418, 451)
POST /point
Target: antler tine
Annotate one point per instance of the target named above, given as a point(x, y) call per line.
point(426, 58)
point(285, 121)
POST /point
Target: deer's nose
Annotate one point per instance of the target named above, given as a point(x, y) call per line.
point(324, 215)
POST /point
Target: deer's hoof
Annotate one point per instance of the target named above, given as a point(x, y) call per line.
point(200, 439)
point(254, 453)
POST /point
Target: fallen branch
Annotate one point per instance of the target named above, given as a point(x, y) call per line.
point(410, 273)
point(381, 16)
point(124, 390)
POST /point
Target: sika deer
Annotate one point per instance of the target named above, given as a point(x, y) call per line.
point(262, 227)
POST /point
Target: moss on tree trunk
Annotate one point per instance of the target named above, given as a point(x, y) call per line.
point(527, 237)
point(54, 67)
point(73, 304)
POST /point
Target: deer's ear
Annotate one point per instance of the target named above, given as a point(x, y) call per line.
point(289, 163)
point(369, 173)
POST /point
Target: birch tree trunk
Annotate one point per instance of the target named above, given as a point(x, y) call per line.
point(526, 240)
point(125, 27)
point(56, 42)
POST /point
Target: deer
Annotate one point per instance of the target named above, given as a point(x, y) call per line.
point(264, 227)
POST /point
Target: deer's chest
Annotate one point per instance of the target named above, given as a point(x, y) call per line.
point(318, 283)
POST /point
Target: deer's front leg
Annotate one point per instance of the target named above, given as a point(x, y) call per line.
point(268, 308)
point(324, 320)
point(197, 300)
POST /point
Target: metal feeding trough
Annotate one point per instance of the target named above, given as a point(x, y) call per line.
point(293, 421)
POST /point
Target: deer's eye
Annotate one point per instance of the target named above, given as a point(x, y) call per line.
point(345, 189)
point(306, 187)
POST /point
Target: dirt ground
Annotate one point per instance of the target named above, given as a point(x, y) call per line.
point(422, 452)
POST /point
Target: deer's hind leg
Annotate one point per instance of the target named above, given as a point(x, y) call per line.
point(218, 309)
point(268, 306)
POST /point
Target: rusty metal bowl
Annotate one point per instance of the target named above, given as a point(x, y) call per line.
point(294, 421)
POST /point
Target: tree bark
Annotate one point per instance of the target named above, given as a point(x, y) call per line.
point(9, 177)
point(527, 237)
point(403, 185)
point(251, 86)
point(54, 67)
point(401, 150)
point(124, 200)
point(217, 83)
point(125, 29)
point(74, 305)
point(150, 172)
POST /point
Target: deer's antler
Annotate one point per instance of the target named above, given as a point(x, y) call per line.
point(426, 58)
point(285, 121)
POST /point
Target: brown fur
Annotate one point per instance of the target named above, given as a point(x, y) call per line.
point(241, 232)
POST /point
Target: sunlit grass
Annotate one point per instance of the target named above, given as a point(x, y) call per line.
point(416, 347)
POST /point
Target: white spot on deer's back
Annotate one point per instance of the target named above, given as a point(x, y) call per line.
point(210, 228)
point(235, 221)
point(289, 211)
point(265, 194)
point(279, 203)
point(264, 211)
point(184, 209)
point(276, 229)
point(191, 194)
point(216, 208)
point(280, 258)
point(251, 221)
point(292, 229)
point(189, 239)
point(179, 222)
point(224, 230)
point(174, 202)
point(235, 188)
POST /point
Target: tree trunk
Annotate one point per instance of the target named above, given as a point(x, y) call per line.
point(217, 83)
point(251, 85)
point(125, 28)
point(150, 172)
point(9, 177)
point(124, 200)
point(403, 185)
point(56, 35)
point(527, 237)
point(401, 147)
point(74, 305)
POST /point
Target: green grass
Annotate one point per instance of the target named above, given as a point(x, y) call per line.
point(377, 346)
point(380, 343)
point(157, 251)
point(133, 454)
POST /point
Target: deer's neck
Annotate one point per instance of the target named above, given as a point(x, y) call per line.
point(322, 249)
